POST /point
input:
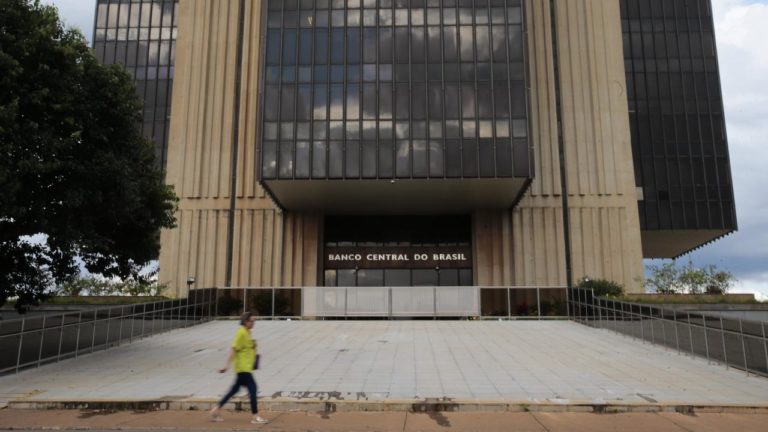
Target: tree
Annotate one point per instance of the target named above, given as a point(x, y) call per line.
point(670, 279)
point(73, 163)
point(693, 280)
point(718, 282)
point(664, 279)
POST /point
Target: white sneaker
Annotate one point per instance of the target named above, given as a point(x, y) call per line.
point(259, 420)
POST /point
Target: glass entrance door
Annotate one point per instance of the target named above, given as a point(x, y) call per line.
point(397, 251)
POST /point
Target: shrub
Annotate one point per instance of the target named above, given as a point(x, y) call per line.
point(602, 287)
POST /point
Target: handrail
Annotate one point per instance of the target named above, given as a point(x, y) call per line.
point(72, 333)
point(737, 343)
point(342, 309)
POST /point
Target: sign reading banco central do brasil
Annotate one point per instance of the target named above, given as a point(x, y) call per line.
point(398, 257)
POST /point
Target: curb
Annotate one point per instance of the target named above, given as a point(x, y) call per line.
point(417, 406)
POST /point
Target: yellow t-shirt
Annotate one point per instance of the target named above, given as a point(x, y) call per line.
point(245, 350)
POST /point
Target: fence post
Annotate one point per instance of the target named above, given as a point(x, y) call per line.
point(109, 324)
point(642, 330)
point(21, 343)
point(133, 322)
point(690, 333)
point(595, 310)
point(765, 345)
point(187, 304)
point(42, 338)
point(623, 326)
point(180, 309)
point(216, 303)
point(538, 301)
point(677, 335)
point(725, 353)
point(93, 333)
point(245, 301)
point(120, 333)
point(434, 302)
point(211, 296)
point(79, 325)
point(599, 313)
point(61, 337)
point(652, 319)
point(663, 326)
point(154, 314)
point(509, 303)
point(144, 318)
point(706, 338)
point(743, 346)
point(204, 310)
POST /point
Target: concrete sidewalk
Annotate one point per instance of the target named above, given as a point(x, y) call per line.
point(383, 422)
point(392, 365)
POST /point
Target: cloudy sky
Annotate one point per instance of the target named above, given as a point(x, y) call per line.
point(741, 35)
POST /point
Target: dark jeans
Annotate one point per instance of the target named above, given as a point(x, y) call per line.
point(243, 379)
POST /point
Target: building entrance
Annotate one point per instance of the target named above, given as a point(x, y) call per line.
point(398, 251)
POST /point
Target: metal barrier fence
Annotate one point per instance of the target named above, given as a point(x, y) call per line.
point(740, 344)
point(41, 339)
point(395, 302)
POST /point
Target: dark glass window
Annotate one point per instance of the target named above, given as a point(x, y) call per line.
point(676, 121)
point(393, 80)
point(124, 34)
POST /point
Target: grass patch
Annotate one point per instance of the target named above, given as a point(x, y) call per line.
point(691, 299)
point(107, 300)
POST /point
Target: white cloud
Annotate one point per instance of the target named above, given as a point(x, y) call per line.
point(741, 34)
point(757, 286)
point(77, 13)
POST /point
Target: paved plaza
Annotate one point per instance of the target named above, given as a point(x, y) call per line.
point(554, 362)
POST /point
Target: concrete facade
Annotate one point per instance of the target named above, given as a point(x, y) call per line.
point(518, 247)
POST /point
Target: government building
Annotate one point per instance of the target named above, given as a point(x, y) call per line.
point(428, 143)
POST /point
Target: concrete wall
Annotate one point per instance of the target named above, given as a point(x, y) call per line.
point(271, 248)
point(520, 247)
point(525, 246)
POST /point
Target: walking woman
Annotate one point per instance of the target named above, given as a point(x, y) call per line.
point(243, 353)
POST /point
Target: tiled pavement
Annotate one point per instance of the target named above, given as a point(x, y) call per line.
point(558, 362)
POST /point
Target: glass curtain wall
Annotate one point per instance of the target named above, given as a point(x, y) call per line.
point(394, 89)
point(141, 35)
point(676, 115)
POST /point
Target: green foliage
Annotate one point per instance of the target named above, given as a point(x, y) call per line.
point(671, 279)
point(31, 282)
point(602, 287)
point(73, 164)
point(99, 301)
point(664, 279)
point(718, 282)
point(97, 286)
point(692, 279)
point(87, 286)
